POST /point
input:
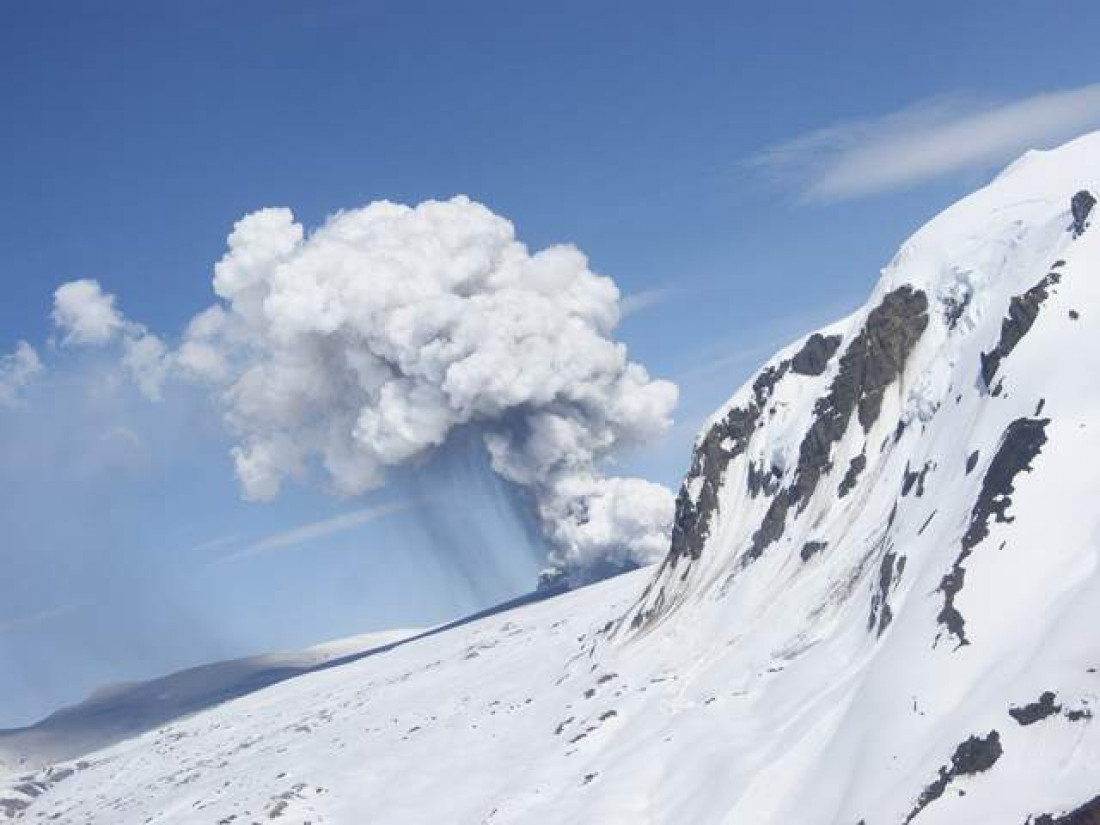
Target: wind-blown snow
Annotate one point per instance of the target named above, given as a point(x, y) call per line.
point(879, 608)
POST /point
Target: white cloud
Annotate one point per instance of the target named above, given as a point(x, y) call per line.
point(87, 317)
point(316, 530)
point(85, 314)
point(16, 371)
point(147, 359)
point(927, 140)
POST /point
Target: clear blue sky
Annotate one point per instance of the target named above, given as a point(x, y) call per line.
point(678, 145)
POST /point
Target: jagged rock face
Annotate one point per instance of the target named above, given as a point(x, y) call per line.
point(1022, 312)
point(1019, 447)
point(815, 354)
point(723, 442)
point(975, 755)
point(871, 363)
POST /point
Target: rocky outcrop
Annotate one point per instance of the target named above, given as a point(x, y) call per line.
point(1020, 445)
point(975, 755)
point(1022, 312)
point(1081, 207)
point(815, 354)
point(724, 442)
point(1087, 814)
point(1036, 711)
point(870, 364)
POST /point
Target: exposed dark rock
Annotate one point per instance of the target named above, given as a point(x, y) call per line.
point(975, 755)
point(927, 521)
point(762, 480)
point(812, 548)
point(772, 525)
point(723, 443)
point(899, 431)
point(815, 354)
point(1078, 714)
point(855, 467)
point(881, 614)
point(1039, 407)
point(1021, 443)
point(1036, 711)
point(1022, 312)
point(1081, 206)
point(972, 461)
point(954, 309)
point(1074, 315)
point(871, 363)
point(911, 477)
point(1087, 814)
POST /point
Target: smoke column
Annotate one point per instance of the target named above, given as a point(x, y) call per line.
point(364, 345)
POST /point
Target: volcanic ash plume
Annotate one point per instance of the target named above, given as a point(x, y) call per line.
point(365, 344)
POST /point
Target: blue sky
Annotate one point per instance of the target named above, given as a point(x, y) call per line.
point(741, 172)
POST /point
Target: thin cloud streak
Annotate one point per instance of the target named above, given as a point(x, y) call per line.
point(318, 529)
point(925, 141)
point(637, 302)
point(39, 617)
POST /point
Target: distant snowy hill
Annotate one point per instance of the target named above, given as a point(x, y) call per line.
point(120, 711)
point(879, 607)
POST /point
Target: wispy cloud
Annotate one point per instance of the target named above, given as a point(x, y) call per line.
point(639, 301)
point(16, 371)
point(216, 542)
point(315, 530)
point(927, 140)
point(38, 617)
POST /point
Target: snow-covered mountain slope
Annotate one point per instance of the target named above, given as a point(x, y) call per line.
point(121, 711)
point(879, 605)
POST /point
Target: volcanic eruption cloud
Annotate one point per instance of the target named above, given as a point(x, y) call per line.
point(365, 344)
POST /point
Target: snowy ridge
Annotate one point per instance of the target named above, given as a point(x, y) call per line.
point(878, 607)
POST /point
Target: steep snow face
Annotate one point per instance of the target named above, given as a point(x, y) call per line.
point(878, 607)
point(911, 523)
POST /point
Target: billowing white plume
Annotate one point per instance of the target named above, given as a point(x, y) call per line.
point(365, 344)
